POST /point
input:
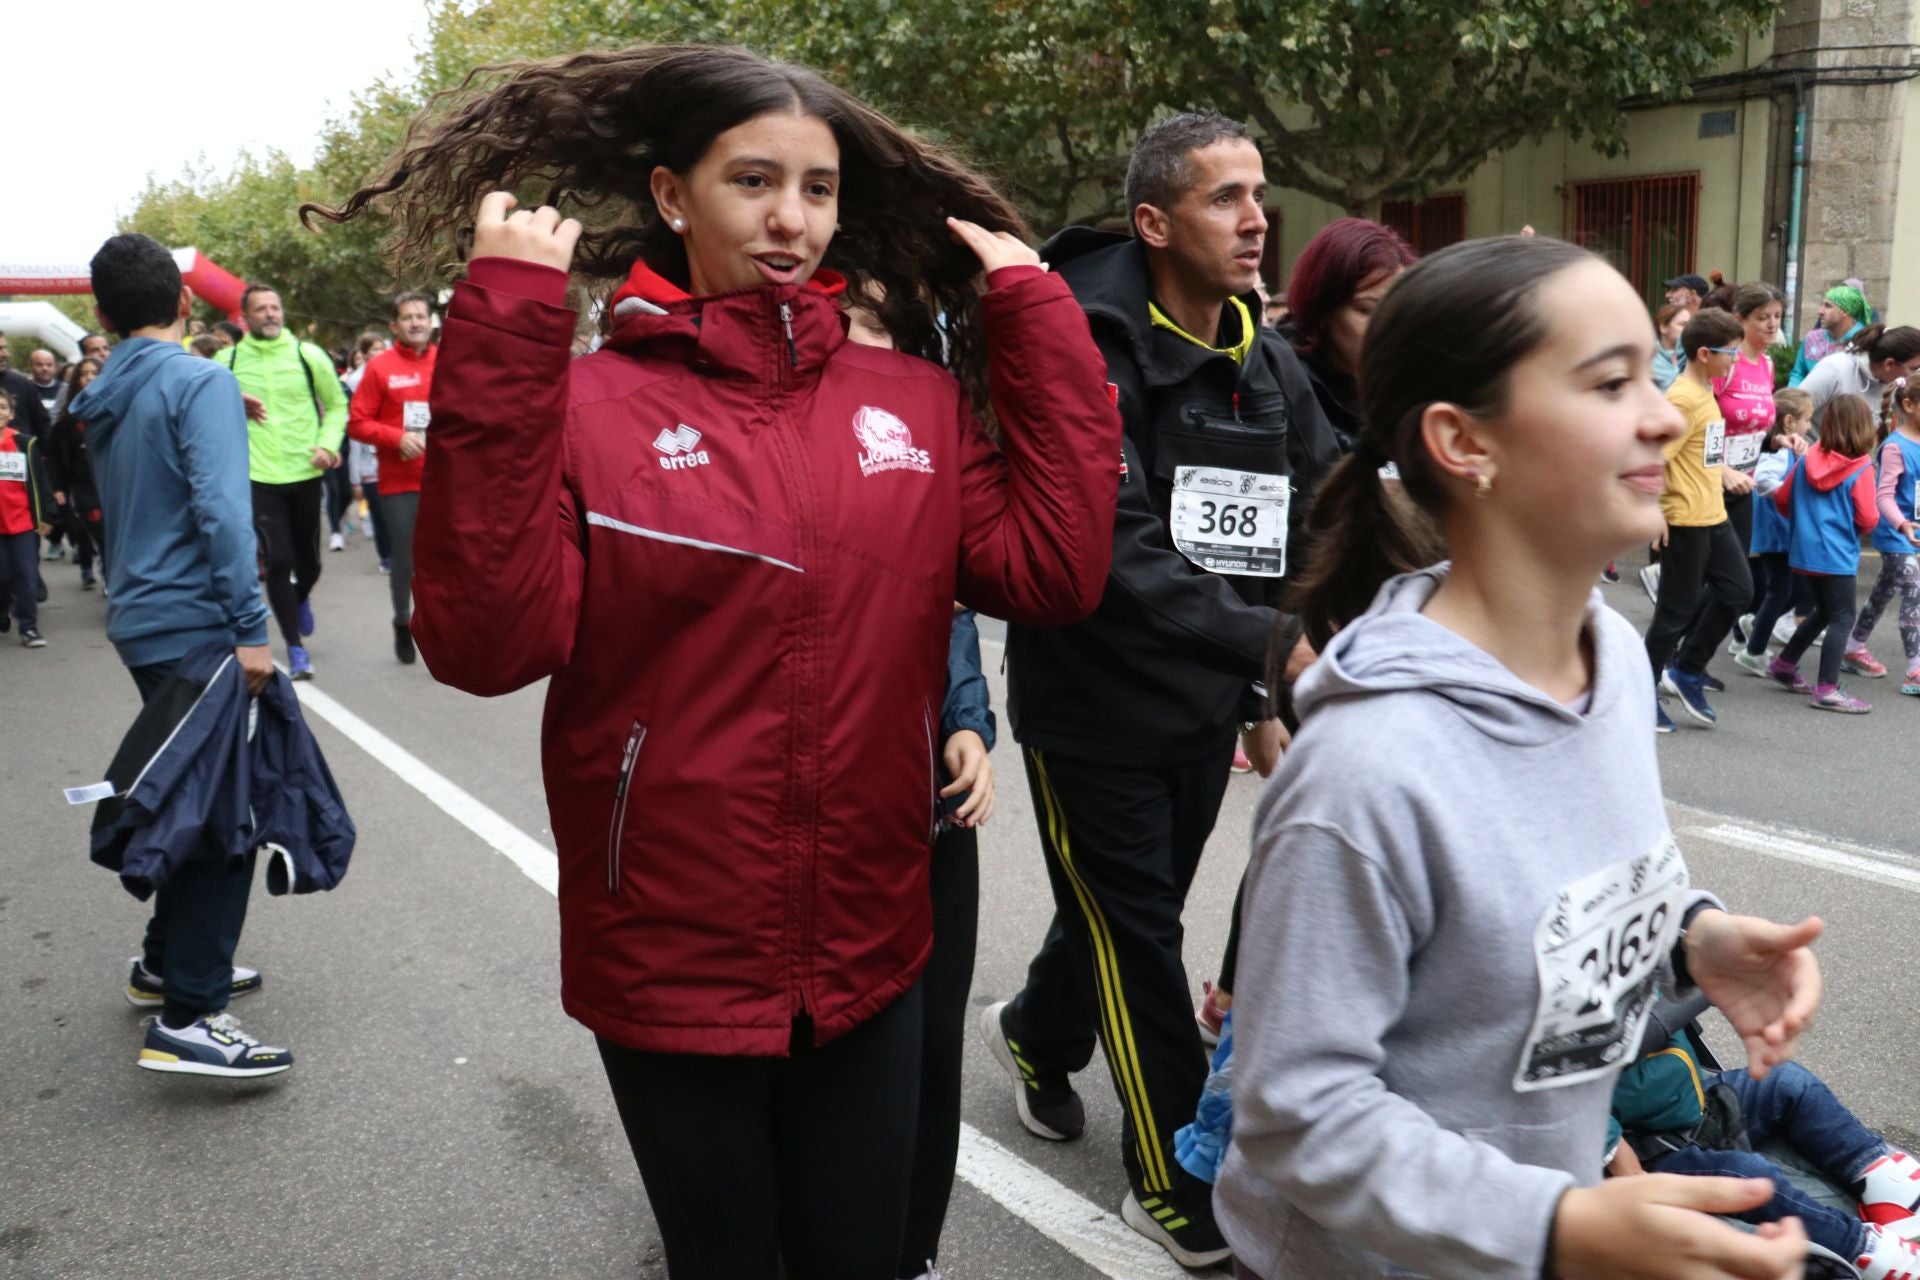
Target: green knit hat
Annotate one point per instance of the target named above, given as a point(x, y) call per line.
point(1849, 300)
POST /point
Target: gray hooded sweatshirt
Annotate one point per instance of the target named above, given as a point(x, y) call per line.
point(1461, 897)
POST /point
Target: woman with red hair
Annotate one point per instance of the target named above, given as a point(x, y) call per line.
point(1337, 281)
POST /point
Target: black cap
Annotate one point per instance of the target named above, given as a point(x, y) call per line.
point(1696, 283)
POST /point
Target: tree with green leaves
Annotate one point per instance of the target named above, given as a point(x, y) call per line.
point(1354, 100)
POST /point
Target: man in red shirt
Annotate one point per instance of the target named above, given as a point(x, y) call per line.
point(389, 411)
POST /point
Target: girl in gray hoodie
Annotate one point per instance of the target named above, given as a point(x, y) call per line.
point(1445, 964)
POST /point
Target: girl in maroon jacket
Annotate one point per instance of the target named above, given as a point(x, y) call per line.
point(732, 541)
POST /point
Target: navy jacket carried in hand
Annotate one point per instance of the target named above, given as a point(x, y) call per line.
point(207, 772)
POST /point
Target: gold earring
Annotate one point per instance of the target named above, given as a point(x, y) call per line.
point(1482, 486)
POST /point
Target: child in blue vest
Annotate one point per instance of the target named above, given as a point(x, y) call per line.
point(1828, 501)
point(1767, 546)
point(1896, 538)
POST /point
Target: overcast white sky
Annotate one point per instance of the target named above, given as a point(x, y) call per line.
point(118, 89)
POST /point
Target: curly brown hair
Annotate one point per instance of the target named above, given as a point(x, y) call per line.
point(591, 127)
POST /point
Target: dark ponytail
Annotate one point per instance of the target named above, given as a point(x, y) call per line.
point(1450, 331)
point(1901, 343)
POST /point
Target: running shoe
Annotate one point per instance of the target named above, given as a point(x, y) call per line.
point(1611, 573)
point(306, 618)
point(1783, 629)
point(386, 566)
point(32, 639)
point(1787, 676)
point(53, 551)
point(1209, 1015)
point(1742, 628)
point(1831, 697)
point(1047, 1104)
point(1662, 722)
point(338, 542)
point(86, 580)
point(1713, 683)
point(1751, 663)
point(148, 990)
point(1240, 762)
point(299, 666)
point(210, 1046)
point(403, 643)
point(1650, 582)
point(1911, 684)
point(1888, 1257)
point(1179, 1221)
point(1891, 1200)
point(1862, 663)
point(1692, 692)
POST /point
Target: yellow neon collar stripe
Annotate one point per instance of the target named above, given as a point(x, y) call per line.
point(1238, 350)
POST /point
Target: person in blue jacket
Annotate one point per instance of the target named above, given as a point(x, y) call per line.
point(168, 434)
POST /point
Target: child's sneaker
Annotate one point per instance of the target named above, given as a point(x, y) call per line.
point(148, 990)
point(210, 1046)
point(1787, 675)
point(31, 639)
point(1891, 1199)
point(299, 665)
point(1742, 628)
point(1831, 697)
point(1862, 663)
point(1911, 684)
point(1662, 722)
point(1691, 690)
point(1611, 573)
point(1888, 1257)
point(1783, 630)
point(1046, 1102)
point(1751, 663)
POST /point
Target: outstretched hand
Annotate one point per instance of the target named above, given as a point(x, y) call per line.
point(995, 249)
point(541, 235)
point(1762, 976)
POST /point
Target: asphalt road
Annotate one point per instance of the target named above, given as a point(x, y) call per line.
point(447, 1119)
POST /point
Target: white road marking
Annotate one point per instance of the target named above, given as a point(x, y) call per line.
point(1879, 866)
point(1091, 1234)
point(533, 858)
point(1076, 1224)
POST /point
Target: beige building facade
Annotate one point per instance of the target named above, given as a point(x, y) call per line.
point(1713, 184)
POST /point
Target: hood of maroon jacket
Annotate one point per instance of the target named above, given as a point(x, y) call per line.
point(733, 541)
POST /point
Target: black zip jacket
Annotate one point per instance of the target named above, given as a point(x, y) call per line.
point(1178, 652)
point(69, 465)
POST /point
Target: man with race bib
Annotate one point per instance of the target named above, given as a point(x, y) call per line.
point(389, 411)
point(1127, 720)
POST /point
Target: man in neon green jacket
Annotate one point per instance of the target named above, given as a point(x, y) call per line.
point(296, 419)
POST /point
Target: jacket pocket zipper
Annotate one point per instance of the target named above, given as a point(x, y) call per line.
point(617, 827)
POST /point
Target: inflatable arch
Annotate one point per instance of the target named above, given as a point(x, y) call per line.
point(42, 322)
point(209, 281)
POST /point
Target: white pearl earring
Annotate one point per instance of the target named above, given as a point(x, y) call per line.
point(679, 224)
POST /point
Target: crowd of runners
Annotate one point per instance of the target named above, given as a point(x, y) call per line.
point(832, 404)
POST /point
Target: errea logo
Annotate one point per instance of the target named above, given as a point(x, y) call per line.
point(681, 445)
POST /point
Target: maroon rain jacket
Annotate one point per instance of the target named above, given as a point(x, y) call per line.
point(733, 540)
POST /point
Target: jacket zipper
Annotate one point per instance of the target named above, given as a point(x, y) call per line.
point(786, 320)
point(617, 827)
point(933, 776)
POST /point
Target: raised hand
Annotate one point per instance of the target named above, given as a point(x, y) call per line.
point(995, 249)
point(1762, 976)
point(541, 236)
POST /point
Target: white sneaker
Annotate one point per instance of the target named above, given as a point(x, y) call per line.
point(1888, 1257)
point(1737, 642)
point(1650, 581)
point(1891, 1200)
point(210, 1046)
point(1783, 630)
point(338, 542)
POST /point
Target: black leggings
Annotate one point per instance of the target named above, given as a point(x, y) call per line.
point(750, 1163)
point(287, 518)
point(1833, 612)
point(947, 981)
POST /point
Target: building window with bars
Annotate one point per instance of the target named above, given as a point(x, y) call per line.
point(1646, 227)
point(1433, 223)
